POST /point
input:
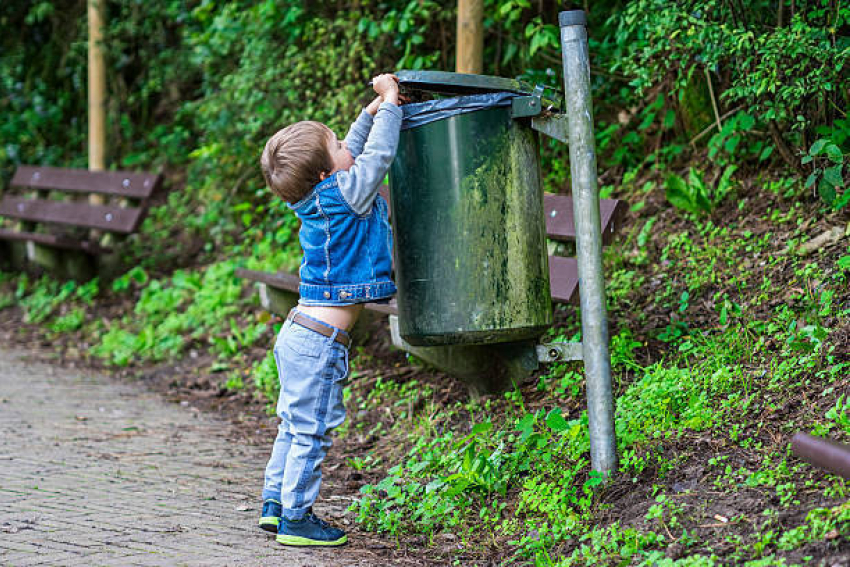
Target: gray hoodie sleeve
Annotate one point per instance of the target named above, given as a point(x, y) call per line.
point(357, 134)
point(360, 183)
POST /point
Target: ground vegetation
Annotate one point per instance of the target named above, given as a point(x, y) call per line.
point(724, 126)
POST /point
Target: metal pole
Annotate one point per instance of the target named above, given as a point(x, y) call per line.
point(594, 320)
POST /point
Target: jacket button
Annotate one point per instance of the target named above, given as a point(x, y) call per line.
point(327, 295)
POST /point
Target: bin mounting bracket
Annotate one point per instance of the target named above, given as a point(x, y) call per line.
point(555, 352)
point(525, 106)
point(553, 125)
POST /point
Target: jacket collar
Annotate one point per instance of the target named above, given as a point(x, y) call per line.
point(329, 181)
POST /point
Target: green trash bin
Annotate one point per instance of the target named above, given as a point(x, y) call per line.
point(467, 212)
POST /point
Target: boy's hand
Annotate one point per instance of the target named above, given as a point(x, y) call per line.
point(373, 106)
point(386, 86)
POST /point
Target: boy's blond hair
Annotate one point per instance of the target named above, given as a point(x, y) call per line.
point(294, 159)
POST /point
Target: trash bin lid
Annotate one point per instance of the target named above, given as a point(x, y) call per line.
point(444, 82)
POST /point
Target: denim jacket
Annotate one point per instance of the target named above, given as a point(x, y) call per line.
point(345, 231)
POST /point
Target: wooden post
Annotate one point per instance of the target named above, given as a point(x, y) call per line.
point(470, 36)
point(97, 96)
point(97, 87)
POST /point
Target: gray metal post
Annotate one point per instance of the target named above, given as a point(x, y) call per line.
point(594, 320)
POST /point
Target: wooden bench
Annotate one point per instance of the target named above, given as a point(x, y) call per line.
point(47, 218)
point(279, 293)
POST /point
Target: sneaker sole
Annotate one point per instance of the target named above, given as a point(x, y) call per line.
point(269, 524)
point(298, 541)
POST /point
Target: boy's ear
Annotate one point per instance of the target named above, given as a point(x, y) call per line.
point(323, 175)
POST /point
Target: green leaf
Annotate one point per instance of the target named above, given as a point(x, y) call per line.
point(746, 121)
point(647, 121)
point(832, 175)
point(826, 191)
point(810, 180)
point(595, 479)
point(701, 201)
point(468, 455)
point(834, 153)
point(555, 421)
point(725, 184)
point(678, 193)
point(842, 201)
point(526, 426)
point(695, 180)
point(698, 191)
point(818, 146)
point(510, 51)
point(480, 428)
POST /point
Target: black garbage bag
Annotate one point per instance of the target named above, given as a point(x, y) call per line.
point(421, 113)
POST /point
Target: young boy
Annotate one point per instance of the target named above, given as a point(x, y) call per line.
point(332, 186)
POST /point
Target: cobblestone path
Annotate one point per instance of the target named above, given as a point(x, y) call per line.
point(98, 473)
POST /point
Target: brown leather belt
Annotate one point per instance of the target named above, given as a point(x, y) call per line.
point(320, 328)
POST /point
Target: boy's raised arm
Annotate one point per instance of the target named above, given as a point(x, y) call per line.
point(359, 131)
point(359, 185)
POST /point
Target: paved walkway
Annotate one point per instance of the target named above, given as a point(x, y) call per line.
point(98, 473)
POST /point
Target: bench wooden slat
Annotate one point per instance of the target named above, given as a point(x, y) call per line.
point(289, 282)
point(563, 279)
point(280, 280)
point(103, 217)
point(119, 183)
point(390, 308)
point(560, 223)
point(53, 240)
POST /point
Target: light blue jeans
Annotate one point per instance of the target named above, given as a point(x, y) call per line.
point(312, 370)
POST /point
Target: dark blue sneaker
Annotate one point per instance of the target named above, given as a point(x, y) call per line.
point(309, 530)
point(270, 518)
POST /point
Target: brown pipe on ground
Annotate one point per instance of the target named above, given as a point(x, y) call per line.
point(823, 453)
